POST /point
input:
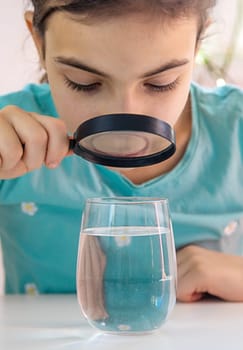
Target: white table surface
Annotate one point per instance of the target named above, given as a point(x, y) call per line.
point(55, 322)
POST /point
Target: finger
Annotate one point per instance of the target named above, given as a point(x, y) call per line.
point(58, 141)
point(11, 150)
point(188, 289)
point(91, 281)
point(90, 278)
point(87, 280)
point(182, 265)
point(101, 262)
point(81, 280)
point(19, 170)
point(96, 265)
point(186, 253)
point(182, 270)
point(69, 153)
point(188, 262)
point(192, 280)
point(31, 134)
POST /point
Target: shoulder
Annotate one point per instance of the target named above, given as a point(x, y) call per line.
point(33, 98)
point(216, 93)
point(225, 98)
point(218, 108)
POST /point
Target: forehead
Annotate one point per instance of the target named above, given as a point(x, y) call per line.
point(128, 38)
point(63, 21)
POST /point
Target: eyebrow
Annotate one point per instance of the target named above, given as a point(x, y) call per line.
point(166, 66)
point(73, 62)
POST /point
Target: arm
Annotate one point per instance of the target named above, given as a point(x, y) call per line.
point(203, 271)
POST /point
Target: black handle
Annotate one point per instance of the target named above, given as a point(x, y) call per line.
point(72, 144)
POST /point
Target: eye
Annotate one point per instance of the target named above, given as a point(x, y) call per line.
point(81, 87)
point(162, 88)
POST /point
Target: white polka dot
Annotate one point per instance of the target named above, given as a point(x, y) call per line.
point(29, 208)
point(230, 228)
point(31, 289)
point(122, 241)
point(124, 327)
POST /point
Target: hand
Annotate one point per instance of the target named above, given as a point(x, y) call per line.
point(29, 140)
point(203, 271)
point(90, 278)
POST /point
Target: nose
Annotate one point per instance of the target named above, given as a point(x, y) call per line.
point(127, 102)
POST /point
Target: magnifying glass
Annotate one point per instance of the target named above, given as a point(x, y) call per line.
point(124, 140)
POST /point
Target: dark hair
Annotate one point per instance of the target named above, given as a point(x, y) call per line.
point(102, 9)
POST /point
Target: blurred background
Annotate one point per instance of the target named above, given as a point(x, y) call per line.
point(220, 59)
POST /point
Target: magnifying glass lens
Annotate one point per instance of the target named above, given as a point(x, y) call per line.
point(124, 144)
point(124, 140)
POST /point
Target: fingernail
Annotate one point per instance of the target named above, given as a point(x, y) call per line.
point(52, 165)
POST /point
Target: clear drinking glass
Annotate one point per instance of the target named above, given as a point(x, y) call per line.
point(126, 268)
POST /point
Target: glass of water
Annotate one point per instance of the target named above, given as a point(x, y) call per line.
point(126, 269)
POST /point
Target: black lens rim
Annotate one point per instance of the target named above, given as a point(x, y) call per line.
point(124, 122)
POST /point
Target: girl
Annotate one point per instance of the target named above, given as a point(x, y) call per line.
point(117, 56)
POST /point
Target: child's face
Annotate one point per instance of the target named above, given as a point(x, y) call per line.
point(128, 65)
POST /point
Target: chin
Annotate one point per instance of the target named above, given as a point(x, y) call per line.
point(121, 170)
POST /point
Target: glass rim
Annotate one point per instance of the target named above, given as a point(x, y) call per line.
point(126, 200)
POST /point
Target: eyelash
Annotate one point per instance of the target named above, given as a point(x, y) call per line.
point(79, 87)
point(93, 87)
point(163, 88)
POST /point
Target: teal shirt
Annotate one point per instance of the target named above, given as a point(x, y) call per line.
point(40, 213)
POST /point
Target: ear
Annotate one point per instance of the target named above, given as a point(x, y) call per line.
point(37, 38)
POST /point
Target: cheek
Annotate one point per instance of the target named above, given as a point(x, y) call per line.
point(72, 109)
point(170, 107)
